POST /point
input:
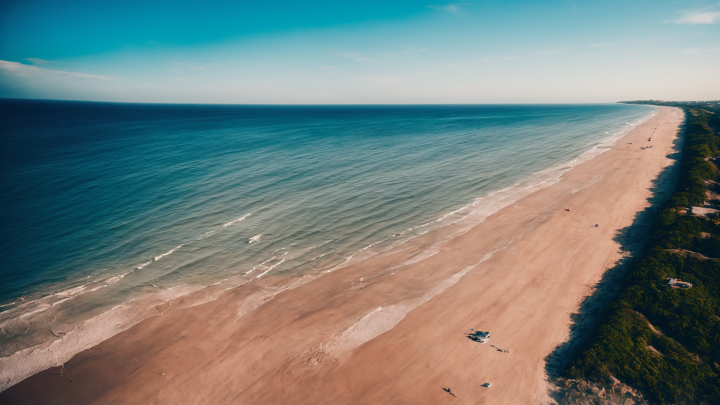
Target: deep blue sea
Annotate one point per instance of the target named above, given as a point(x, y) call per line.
point(104, 203)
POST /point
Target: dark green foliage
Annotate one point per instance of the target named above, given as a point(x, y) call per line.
point(686, 321)
point(711, 246)
point(623, 350)
point(684, 233)
point(667, 216)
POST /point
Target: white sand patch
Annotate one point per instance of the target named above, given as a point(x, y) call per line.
point(382, 319)
point(703, 211)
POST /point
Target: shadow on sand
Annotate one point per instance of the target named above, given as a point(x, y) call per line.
point(633, 241)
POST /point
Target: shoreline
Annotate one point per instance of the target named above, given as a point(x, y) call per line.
point(123, 316)
point(378, 301)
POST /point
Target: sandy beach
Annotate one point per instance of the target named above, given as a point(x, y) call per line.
point(392, 328)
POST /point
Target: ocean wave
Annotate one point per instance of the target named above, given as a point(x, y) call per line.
point(24, 363)
point(71, 291)
point(236, 221)
point(169, 252)
point(225, 225)
point(115, 279)
point(261, 264)
point(270, 268)
point(143, 265)
point(466, 217)
point(474, 213)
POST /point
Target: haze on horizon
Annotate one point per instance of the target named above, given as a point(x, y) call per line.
point(328, 52)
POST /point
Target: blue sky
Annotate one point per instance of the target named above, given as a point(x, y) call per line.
point(319, 52)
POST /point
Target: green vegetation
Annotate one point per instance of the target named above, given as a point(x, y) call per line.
point(666, 341)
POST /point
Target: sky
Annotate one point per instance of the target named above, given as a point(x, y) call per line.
point(360, 52)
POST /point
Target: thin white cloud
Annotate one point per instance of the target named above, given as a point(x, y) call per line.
point(600, 45)
point(18, 69)
point(452, 8)
point(38, 61)
point(697, 17)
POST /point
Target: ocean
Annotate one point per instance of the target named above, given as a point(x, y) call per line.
point(109, 208)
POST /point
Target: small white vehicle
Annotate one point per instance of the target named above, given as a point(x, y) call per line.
point(482, 337)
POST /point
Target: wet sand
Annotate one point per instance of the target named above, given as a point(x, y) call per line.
point(390, 329)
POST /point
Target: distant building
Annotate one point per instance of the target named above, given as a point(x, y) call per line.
point(677, 283)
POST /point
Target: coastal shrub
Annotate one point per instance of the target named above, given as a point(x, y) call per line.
point(711, 246)
point(666, 341)
point(684, 233)
point(667, 216)
point(625, 350)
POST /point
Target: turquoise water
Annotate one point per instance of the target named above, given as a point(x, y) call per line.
point(107, 203)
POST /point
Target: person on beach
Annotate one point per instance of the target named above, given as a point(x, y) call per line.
point(449, 392)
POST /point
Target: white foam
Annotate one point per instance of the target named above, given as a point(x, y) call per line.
point(15, 318)
point(238, 280)
point(113, 280)
point(58, 302)
point(236, 221)
point(270, 268)
point(225, 225)
point(71, 291)
point(22, 364)
point(477, 211)
point(358, 256)
point(261, 264)
point(382, 319)
point(253, 301)
point(487, 205)
point(143, 265)
point(169, 252)
point(206, 234)
point(425, 254)
point(41, 307)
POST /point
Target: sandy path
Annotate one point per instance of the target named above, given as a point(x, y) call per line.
point(397, 336)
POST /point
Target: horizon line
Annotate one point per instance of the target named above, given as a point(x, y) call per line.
point(307, 104)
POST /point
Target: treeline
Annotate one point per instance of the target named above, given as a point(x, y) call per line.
point(682, 104)
point(666, 341)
